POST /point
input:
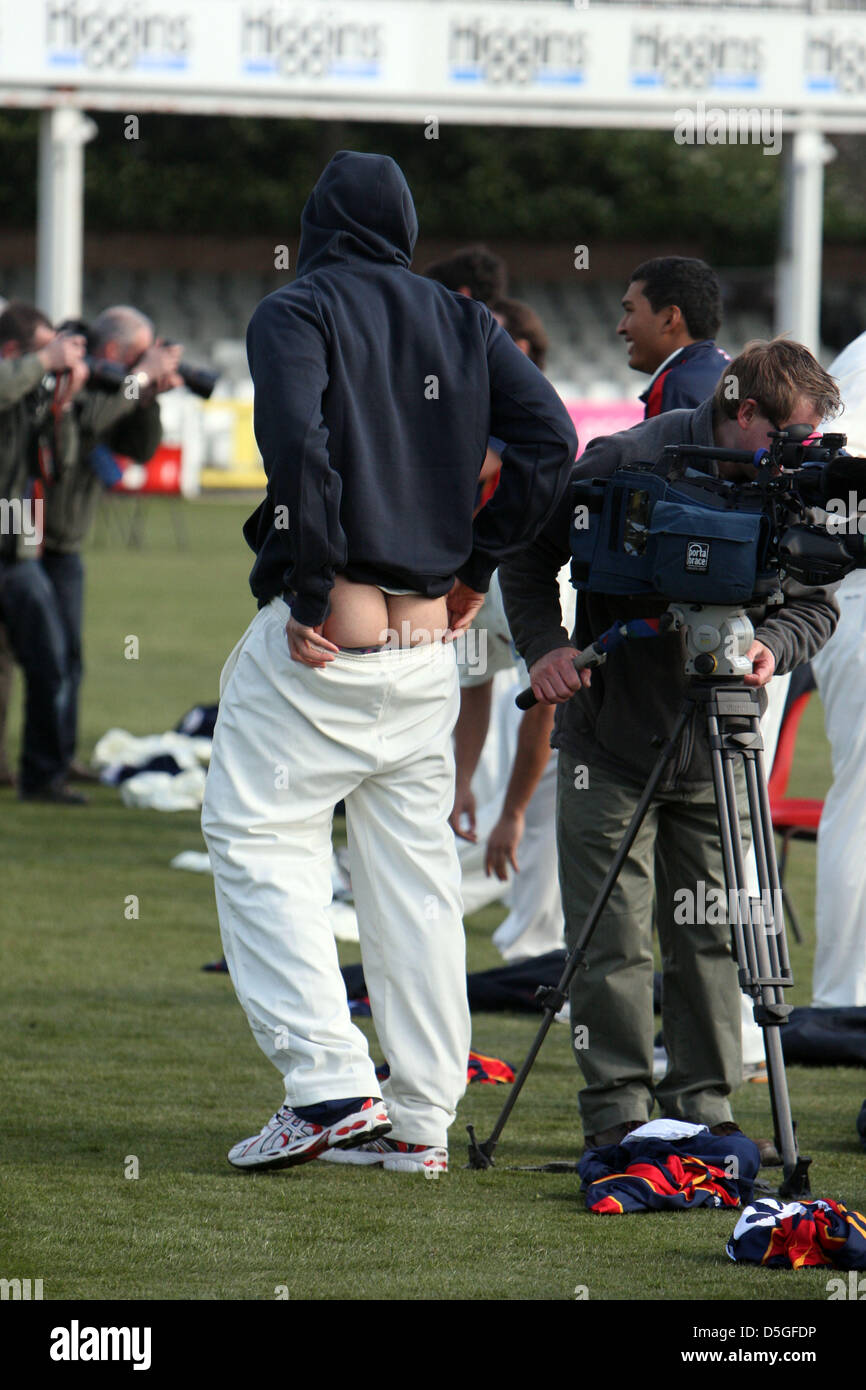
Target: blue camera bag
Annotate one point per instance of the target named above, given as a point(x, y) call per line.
point(636, 533)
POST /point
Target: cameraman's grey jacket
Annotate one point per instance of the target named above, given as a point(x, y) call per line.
point(637, 694)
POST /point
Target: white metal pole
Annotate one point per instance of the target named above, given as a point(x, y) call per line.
point(798, 303)
point(63, 133)
point(784, 264)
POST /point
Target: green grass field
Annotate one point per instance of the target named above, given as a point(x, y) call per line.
point(119, 1055)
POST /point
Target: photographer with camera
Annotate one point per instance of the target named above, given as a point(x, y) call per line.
point(608, 727)
point(36, 429)
point(119, 410)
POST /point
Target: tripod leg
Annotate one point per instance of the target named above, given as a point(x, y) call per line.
point(758, 927)
point(773, 959)
point(792, 916)
point(481, 1154)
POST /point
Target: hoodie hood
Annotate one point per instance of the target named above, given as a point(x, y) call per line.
point(361, 208)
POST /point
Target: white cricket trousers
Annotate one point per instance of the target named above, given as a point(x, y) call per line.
point(535, 924)
point(839, 975)
point(290, 742)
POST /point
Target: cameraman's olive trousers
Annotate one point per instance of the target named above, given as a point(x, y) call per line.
point(675, 862)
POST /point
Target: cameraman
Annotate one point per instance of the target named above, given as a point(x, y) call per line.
point(125, 418)
point(607, 727)
point(36, 427)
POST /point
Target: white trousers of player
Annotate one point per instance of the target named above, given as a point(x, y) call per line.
point(290, 742)
point(771, 724)
point(839, 974)
point(535, 924)
point(488, 787)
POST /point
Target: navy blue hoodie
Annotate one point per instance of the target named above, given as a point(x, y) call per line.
point(376, 391)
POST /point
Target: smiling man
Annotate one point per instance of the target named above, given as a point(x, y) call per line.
point(672, 310)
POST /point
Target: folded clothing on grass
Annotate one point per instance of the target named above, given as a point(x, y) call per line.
point(504, 987)
point(162, 772)
point(162, 791)
point(826, 1037)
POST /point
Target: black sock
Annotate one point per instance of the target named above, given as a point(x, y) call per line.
point(329, 1111)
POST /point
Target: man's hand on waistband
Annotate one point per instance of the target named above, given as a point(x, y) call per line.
point(462, 603)
point(763, 664)
point(553, 677)
point(307, 645)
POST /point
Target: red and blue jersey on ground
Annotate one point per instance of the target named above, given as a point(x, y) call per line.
point(686, 379)
point(795, 1235)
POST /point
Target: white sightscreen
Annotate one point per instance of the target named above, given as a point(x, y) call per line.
point(537, 61)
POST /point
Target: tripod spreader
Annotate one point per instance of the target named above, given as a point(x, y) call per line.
point(549, 997)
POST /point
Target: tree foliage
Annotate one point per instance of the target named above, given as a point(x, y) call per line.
point(232, 176)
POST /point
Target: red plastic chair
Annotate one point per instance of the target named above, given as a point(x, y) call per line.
point(794, 817)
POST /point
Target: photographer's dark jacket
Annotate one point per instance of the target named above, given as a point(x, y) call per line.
point(638, 692)
point(100, 417)
point(19, 379)
point(376, 391)
point(22, 399)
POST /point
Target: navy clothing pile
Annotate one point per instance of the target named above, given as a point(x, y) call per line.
point(503, 987)
point(795, 1235)
point(198, 722)
point(826, 1037)
point(648, 1172)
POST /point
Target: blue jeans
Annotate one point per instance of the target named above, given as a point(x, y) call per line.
point(36, 637)
point(66, 574)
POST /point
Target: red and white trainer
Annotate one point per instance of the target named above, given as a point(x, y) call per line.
point(288, 1140)
point(394, 1156)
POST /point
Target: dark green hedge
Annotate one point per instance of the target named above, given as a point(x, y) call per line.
point(233, 176)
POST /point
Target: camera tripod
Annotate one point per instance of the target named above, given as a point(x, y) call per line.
point(717, 640)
